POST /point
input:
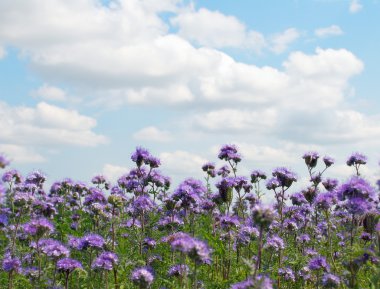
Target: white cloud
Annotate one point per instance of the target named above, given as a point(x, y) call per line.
point(46, 125)
point(182, 164)
point(281, 41)
point(20, 154)
point(3, 52)
point(113, 172)
point(332, 30)
point(153, 134)
point(48, 92)
point(214, 29)
point(234, 120)
point(355, 6)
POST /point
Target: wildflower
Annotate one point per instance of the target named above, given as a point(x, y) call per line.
point(105, 261)
point(284, 176)
point(179, 270)
point(3, 161)
point(319, 262)
point(257, 175)
point(275, 243)
point(311, 159)
point(229, 153)
point(330, 281)
point(140, 156)
point(287, 274)
point(38, 227)
point(329, 161)
point(68, 265)
point(263, 215)
point(143, 277)
point(91, 241)
point(209, 168)
point(11, 264)
point(357, 159)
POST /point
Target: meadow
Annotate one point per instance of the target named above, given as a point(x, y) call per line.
point(213, 233)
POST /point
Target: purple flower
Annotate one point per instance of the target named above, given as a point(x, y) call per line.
point(209, 168)
point(38, 227)
point(263, 215)
point(140, 156)
point(357, 159)
point(317, 263)
point(149, 243)
point(3, 161)
point(330, 281)
point(257, 175)
point(330, 184)
point(52, 248)
point(275, 243)
point(68, 265)
point(153, 162)
point(91, 241)
point(260, 282)
point(95, 196)
point(298, 199)
point(284, 176)
point(272, 184)
point(190, 193)
point(142, 277)
point(311, 159)
point(304, 238)
point(105, 261)
point(179, 270)
point(325, 200)
point(229, 222)
point(287, 274)
point(229, 153)
point(11, 264)
point(224, 171)
point(225, 187)
point(12, 176)
point(329, 161)
point(141, 204)
point(194, 248)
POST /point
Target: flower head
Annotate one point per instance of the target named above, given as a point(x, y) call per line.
point(105, 261)
point(142, 277)
point(68, 265)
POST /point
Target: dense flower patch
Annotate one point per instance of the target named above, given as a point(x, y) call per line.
point(216, 233)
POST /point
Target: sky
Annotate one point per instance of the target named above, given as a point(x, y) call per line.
point(84, 82)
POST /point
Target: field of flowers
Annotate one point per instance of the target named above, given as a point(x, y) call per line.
point(214, 233)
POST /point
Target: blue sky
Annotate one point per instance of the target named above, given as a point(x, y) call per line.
point(83, 82)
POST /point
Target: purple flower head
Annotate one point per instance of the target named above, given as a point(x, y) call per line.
point(143, 277)
point(180, 270)
point(74, 242)
point(275, 243)
point(209, 168)
point(140, 156)
point(224, 171)
point(142, 204)
point(95, 196)
point(229, 153)
point(101, 180)
point(357, 159)
point(36, 178)
point(229, 222)
point(272, 184)
point(263, 215)
point(311, 159)
point(3, 220)
point(3, 161)
point(91, 241)
point(194, 248)
point(11, 264)
point(287, 274)
point(330, 281)
point(330, 184)
point(225, 187)
point(325, 201)
point(284, 176)
point(68, 265)
point(319, 263)
point(190, 193)
point(357, 195)
point(105, 261)
point(329, 161)
point(304, 238)
point(52, 248)
point(298, 199)
point(38, 227)
point(257, 175)
point(12, 176)
point(149, 243)
point(153, 162)
point(260, 282)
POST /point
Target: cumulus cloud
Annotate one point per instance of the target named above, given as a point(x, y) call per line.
point(48, 92)
point(215, 29)
point(355, 6)
point(182, 164)
point(332, 30)
point(20, 154)
point(113, 172)
point(281, 41)
point(153, 134)
point(47, 125)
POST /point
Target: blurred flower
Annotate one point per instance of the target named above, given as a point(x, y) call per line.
point(105, 261)
point(142, 277)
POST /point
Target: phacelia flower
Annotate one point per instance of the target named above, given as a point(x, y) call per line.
point(105, 261)
point(229, 153)
point(143, 277)
point(179, 270)
point(357, 159)
point(38, 227)
point(311, 159)
point(68, 265)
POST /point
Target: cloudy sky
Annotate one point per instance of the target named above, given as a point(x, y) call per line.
point(83, 82)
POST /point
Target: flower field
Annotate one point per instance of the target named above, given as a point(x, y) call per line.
point(220, 232)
